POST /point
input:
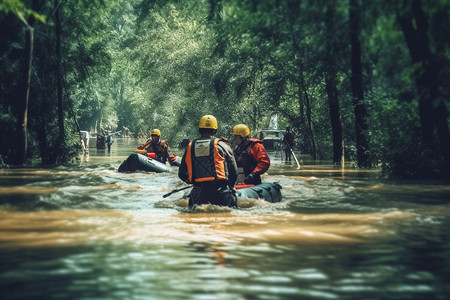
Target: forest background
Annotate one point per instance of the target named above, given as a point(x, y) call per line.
point(366, 81)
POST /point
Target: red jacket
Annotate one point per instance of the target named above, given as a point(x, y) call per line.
point(252, 156)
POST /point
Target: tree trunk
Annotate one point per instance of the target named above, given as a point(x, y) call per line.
point(59, 79)
point(308, 116)
point(310, 126)
point(215, 11)
point(331, 89)
point(22, 105)
point(432, 109)
point(362, 146)
point(215, 17)
point(23, 118)
point(335, 117)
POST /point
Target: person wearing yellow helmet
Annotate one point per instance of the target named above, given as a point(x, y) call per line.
point(208, 163)
point(250, 154)
point(155, 132)
point(208, 122)
point(157, 149)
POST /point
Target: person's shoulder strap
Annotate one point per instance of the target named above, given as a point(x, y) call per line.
point(224, 146)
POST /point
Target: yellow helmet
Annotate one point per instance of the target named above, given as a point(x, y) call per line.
point(156, 132)
point(208, 121)
point(241, 129)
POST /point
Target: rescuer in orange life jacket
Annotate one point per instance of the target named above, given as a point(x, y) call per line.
point(208, 163)
point(157, 149)
point(250, 154)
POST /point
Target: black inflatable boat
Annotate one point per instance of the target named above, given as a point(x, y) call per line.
point(138, 162)
point(268, 191)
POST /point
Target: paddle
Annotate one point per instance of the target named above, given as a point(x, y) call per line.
point(141, 151)
point(295, 157)
point(176, 191)
point(237, 186)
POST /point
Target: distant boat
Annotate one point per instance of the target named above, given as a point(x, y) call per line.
point(272, 139)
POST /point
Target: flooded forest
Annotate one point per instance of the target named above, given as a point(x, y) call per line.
point(363, 206)
point(365, 83)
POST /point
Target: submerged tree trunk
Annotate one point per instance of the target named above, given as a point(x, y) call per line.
point(362, 146)
point(331, 88)
point(432, 109)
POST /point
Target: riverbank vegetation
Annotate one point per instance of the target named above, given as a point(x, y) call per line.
point(355, 80)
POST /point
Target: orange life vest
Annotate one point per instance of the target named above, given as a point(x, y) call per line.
point(204, 161)
point(159, 147)
point(160, 150)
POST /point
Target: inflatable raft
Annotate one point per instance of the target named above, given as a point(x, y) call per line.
point(138, 162)
point(268, 191)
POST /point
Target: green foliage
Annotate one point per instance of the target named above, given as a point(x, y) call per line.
point(409, 158)
point(17, 8)
point(84, 58)
point(163, 64)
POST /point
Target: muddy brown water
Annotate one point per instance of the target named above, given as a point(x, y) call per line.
point(90, 232)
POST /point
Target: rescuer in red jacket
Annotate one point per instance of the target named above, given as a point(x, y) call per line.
point(250, 154)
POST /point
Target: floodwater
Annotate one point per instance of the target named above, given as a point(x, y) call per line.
point(89, 232)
